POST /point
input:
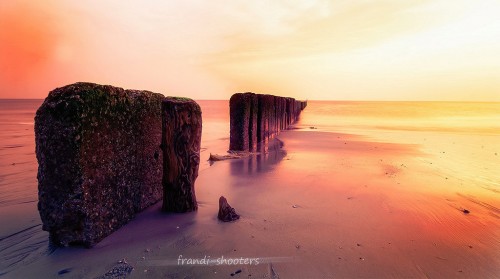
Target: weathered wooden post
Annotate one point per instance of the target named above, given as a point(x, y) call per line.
point(265, 113)
point(242, 109)
point(277, 115)
point(181, 138)
point(253, 123)
point(280, 115)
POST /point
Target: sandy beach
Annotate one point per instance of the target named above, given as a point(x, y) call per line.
point(325, 205)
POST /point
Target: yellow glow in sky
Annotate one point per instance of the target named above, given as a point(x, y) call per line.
point(319, 49)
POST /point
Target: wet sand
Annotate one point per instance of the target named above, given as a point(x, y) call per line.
point(373, 191)
point(327, 205)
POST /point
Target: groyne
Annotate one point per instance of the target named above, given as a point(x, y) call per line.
point(256, 118)
point(100, 158)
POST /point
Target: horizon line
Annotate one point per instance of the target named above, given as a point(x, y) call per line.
point(315, 100)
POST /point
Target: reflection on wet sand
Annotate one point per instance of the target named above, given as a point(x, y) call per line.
point(270, 153)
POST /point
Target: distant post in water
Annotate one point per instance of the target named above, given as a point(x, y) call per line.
point(240, 121)
point(181, 138)
point(255, 118)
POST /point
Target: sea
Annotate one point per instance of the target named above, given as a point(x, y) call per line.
point(460, 139)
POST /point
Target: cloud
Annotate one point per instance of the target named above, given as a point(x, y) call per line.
point(375, 50)
point(210, 49)
point(274, 18)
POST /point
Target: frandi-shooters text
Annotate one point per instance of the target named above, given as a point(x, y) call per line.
point(206, 260)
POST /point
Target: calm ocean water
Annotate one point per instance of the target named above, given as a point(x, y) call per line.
point(461, 139)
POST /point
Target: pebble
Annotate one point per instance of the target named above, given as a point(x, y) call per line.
point(119, 271)
point(236, 272)
point(64, 271)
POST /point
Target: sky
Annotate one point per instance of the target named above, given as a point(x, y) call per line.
point(444, 50)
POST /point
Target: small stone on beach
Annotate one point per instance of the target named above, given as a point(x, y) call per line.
point(236, 272)
point(226, 212)
point(119, 271)
point(465, 211)
point(64, 271)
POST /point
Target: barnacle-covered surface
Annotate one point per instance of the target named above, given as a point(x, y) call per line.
point(98, 149)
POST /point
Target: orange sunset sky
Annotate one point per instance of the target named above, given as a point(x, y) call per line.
point(307, 49)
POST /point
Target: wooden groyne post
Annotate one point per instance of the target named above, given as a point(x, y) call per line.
point(181, 139)
point(255, 118)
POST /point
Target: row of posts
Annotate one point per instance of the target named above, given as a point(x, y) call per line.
point(105, 153)
point(256, 118)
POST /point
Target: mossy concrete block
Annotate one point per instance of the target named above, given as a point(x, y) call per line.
point(99, 156)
